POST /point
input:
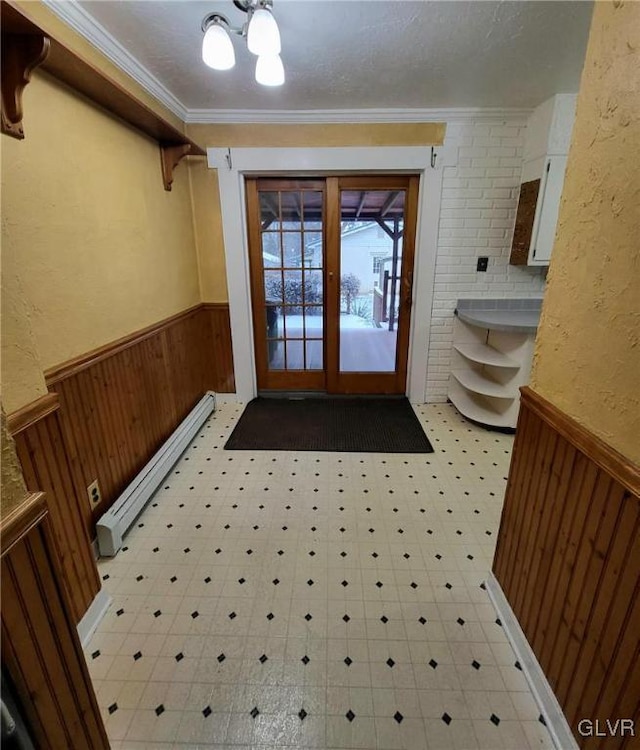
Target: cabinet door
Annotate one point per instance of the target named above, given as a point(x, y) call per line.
point(544, 230)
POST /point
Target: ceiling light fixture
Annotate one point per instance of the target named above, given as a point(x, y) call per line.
point(262, 36)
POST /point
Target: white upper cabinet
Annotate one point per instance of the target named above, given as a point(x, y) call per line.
point(545, 159)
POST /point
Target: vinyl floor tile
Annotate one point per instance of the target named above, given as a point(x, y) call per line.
point(315, 600)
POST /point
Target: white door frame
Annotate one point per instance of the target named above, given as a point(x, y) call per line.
point(234, 164)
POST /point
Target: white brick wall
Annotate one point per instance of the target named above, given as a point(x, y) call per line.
point(479, 198)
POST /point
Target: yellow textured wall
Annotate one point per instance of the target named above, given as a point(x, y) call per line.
point(93, 246)
point(206, 197)
point(587, 358)
point(332, 134)
point(12, 487)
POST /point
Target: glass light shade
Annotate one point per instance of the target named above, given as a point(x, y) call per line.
point(270, 70)
point(263, 36)
point(217, 48)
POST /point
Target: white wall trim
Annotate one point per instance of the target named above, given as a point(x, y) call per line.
point(234, 164)
point(93, 616)
point(283, 116)
point(75, 16)
point(556, 722)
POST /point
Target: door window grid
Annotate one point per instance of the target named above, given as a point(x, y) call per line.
point(290, 345)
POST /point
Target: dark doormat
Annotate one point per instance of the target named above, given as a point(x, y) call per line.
point(352, 425)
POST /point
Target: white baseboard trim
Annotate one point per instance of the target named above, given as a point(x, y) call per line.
point(93, 616)
point(550, 709)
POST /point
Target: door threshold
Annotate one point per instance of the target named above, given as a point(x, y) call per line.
point(302, 395)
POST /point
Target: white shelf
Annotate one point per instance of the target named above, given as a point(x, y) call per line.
point(480, 408)
point(480, 383)
point(486, 355)
point(489, 365)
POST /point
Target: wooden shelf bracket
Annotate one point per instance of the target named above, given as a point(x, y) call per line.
point(170, 157)
point(21, 55)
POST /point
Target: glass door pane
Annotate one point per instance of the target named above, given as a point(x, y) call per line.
point(291, 238)
point(371, 239)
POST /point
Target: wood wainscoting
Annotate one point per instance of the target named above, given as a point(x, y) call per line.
point(37, 433)
point(40, 646)
point(120, 402)
point(568, 562)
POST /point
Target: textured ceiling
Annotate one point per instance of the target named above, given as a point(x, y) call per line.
point(360, 55)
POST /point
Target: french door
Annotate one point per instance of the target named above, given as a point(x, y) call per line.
point(331, 264)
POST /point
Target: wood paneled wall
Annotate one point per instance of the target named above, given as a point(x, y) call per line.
point(40, 447)
point(40, 646)
point(120, 402)
point(568, 561)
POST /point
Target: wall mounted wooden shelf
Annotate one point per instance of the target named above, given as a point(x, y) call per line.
point(27, 45)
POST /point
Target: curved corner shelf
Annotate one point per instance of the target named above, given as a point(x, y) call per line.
point(480, 383)
point(492, 353)
point(486, 355)
point(481, 408)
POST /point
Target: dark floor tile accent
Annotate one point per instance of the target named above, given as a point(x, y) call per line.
point(254, 712)
point(494, 719)
point(446, 718)
point(113, 708)
point(159, 710)
point(398, 716)
point(350, 715)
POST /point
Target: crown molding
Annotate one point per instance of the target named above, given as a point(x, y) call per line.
point(284, 116)
point(75, 16)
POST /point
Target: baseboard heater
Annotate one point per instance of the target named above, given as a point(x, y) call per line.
point(115, 523)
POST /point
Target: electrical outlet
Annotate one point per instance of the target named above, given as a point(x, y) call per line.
point(483, 263)
point(94, 494)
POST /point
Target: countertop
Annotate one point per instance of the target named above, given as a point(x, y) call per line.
point(514, 315)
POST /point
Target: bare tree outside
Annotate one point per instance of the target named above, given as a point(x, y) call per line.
point(349, 289)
